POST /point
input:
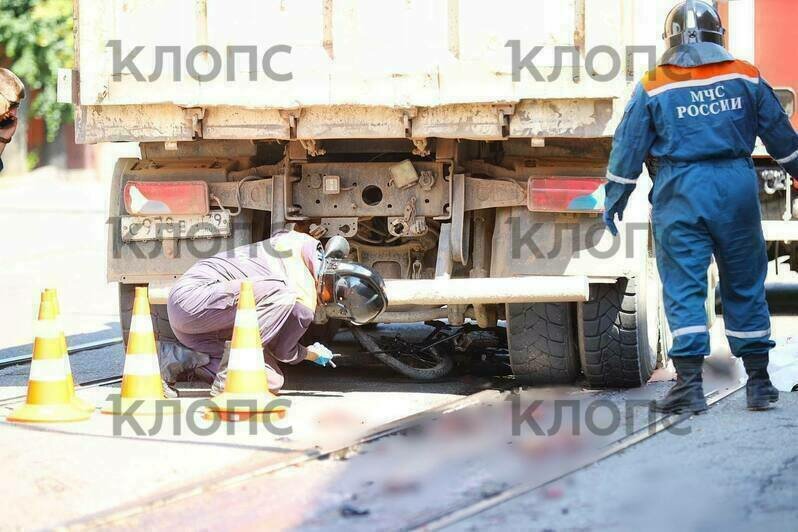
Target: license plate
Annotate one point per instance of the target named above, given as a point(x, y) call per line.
point(167, 227)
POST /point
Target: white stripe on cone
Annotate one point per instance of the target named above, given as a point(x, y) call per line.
point(245, 359)
point(141, 324)
point(247, 318)
point(50, 369)
point(60, 325)
point(142, 365)
point(46, 329)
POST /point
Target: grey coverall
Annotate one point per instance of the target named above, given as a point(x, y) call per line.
point(202, 305)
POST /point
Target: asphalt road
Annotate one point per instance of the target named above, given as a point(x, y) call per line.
point(734, 470)
point(54, 236)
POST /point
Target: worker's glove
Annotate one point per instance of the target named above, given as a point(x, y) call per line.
point(318, 354)
point(616, 196)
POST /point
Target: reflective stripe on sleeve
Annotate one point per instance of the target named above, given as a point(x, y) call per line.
point(789, 158)
point(618, 179)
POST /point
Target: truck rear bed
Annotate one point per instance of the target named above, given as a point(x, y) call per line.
point(358, 69)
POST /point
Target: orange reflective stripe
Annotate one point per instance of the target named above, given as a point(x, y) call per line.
point(666, 75)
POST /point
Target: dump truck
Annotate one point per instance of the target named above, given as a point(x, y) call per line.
point(460, 146)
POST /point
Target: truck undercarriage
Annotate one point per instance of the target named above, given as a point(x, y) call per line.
point(485, 232)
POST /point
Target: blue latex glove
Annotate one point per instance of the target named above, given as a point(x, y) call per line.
point(615, 200)
point(318, 354)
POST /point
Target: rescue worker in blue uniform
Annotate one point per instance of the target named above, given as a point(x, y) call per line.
point(698, 114)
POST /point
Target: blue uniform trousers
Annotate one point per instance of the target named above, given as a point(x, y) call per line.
point(703, 209)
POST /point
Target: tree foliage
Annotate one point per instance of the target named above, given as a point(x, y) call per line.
point(36, 35)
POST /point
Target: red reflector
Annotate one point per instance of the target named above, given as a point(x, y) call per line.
point(166, 197)
point(565, 194)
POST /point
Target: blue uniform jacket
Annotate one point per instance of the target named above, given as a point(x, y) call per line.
point(700, 104)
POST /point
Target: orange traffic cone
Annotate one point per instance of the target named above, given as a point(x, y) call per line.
point(52, 295)
point(141, 378)
point(246, 390)
point(48, 390)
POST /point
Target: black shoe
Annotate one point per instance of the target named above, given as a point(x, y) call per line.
point(687, 395)
point(759, 391)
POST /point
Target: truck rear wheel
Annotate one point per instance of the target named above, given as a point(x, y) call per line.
point(541, 343)
point(619, 340)
point(160, 319)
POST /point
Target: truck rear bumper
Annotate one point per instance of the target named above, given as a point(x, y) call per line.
point(484, 291)
point(530, 289)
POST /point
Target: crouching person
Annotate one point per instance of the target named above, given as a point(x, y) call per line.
point(291, 275)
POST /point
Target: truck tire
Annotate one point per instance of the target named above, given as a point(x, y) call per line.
point(617, 349)
point(160, 319)
point(541, 344)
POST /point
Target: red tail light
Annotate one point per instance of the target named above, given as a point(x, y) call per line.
point(565, 194)
point(146, 198)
